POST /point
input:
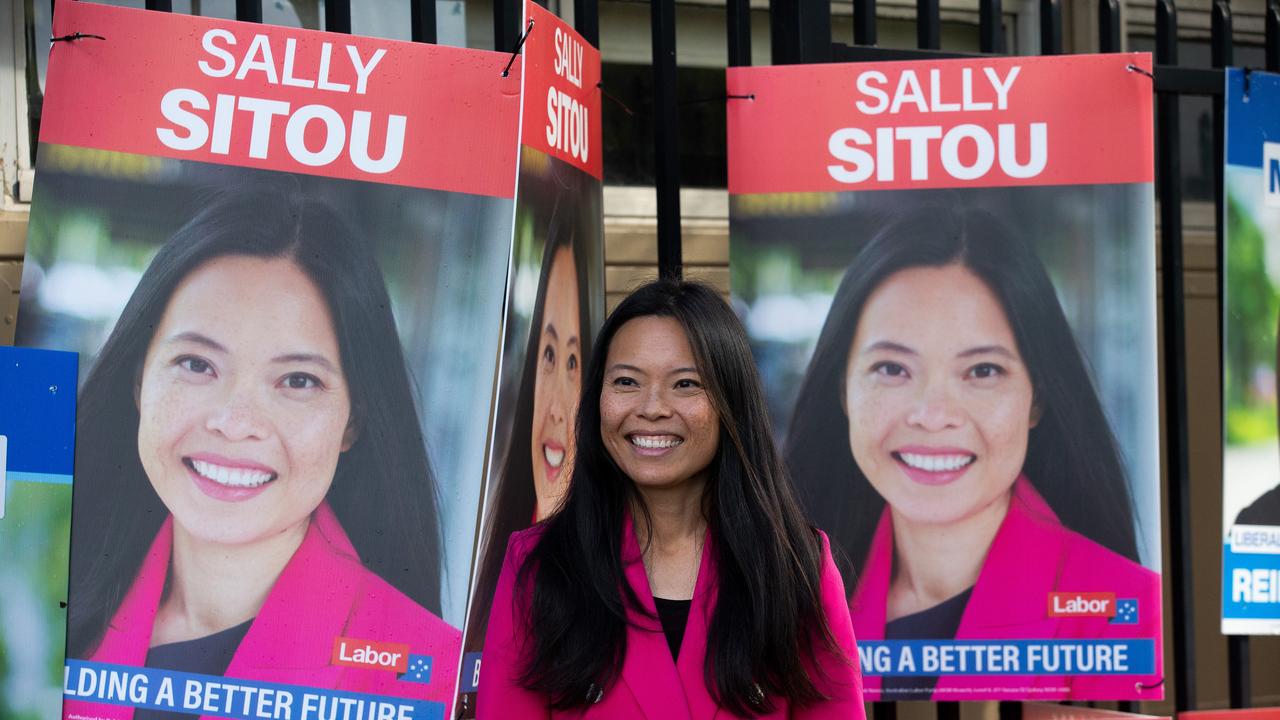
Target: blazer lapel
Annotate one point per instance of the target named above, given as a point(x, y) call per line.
point(291, 639)
point(648, 670)
point(869, 601)
point(1010, 600)
point(693, 648)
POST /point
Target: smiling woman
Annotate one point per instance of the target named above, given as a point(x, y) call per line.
point(679, 579)
point(948, 435)
point(252, 476)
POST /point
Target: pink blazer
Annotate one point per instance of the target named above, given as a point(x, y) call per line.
point(653, 685)
point(324, 592)
point(1032, 555)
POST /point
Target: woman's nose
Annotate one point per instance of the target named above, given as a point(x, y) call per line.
point(653, 405)
point(238, 418)
point(936, 409)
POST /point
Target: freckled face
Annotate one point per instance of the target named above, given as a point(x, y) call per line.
point(557, 384)
point(655, 417)
point(243, 403)
point(940, 403)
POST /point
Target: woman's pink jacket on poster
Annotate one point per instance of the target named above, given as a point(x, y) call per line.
point(323, 593)
point(1032, 555)
point(652, 685)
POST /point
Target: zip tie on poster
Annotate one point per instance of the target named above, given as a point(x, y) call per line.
point(606, 93)
point(75, 36)
point(507, 70)
point(1141, 71)
point(1140, 686)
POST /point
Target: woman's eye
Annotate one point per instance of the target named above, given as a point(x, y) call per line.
point(889, 369)
point(572, 363)
point(688, 384)
point(982, 371)
point(624, 382)
point(549, 355)
point(195, 365)
point(301, 381)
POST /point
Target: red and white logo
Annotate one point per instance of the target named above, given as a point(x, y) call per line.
point(1078, 604)
point(370, 654)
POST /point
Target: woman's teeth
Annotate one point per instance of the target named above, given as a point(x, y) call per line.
point(655, 442)
point(555, 458)
point(936, 463)
point(232, 477)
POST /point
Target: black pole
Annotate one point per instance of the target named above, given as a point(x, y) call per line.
point(586, 20)
point(666, 136)
point(1273, 36)
point(1221, 51)
point(422, 21)
point(738, 29)
point(990, 26)
point(864, 22)
point(948, 710)
point(1169, 168)
point(249, 10)
point(1050, 27)
point(506, 25)
point(929, 24)
point(337, 16)
point(800, 31)
point(1109, 26)
point(161, 5)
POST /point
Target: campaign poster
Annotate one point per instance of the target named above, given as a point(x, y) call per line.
point(282, 256)
point(555, 302)
point(1250, 313)
point(947, 273)
point(37, 445)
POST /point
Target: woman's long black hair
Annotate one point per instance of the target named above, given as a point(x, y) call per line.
point(514, 500)
point(1073, 459)
point(383, 491)
point(768, 616)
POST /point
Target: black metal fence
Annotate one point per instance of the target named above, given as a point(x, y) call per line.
point(801, 32)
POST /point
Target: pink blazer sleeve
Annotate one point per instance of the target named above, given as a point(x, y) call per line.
point(838, 675)
point(499, 695)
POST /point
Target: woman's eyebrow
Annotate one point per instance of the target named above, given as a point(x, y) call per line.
point(988, 350)
point(890, 346)
point(616, 367)
point(313, 358)
point(192, 336)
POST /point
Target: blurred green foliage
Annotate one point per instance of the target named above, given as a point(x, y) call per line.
point(1250, 336)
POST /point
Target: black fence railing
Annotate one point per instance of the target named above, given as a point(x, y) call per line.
point(800, 32)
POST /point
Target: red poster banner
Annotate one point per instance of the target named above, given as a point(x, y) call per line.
point(284, 99)
point(562, 93)
point(976, 122)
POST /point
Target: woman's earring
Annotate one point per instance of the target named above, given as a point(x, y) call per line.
point(595, 693)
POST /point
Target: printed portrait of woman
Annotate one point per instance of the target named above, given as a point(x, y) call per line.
point(533, 476)
point(948, 437)
point(252, 482)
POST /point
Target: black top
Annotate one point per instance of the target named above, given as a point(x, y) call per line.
point(935, 623)
point(674, 615)
point(1264, 511)
point(209, 655)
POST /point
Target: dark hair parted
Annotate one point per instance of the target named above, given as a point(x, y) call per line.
point(383, 491)
point(768, 616)
point(515, 501)
point(1072, 457)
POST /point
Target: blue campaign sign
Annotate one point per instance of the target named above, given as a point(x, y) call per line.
point(1251, 315)
point(37, 451)
point(38, 413)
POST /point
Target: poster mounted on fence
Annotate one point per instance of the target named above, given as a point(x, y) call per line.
point(283, 258)
point(555, 301)
point(37, 446)
point(947, 273)
point(1251, 311)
